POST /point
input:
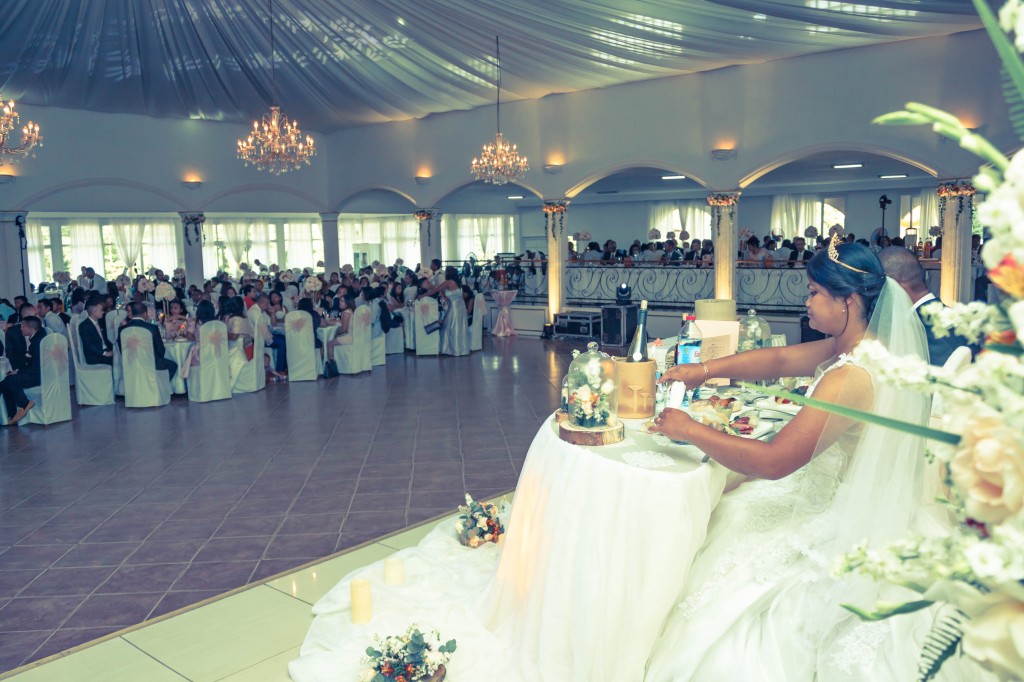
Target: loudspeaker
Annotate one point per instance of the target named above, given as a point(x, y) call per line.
point(618, 324)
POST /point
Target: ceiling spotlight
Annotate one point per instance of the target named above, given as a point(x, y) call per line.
point(422, 179)
point(191, 184)
point(895, 176)
point(841, 166)
point(514, 196)
point(673, 177)
point(723, 154)
point(553, 168)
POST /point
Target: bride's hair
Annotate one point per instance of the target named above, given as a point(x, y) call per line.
point(840, 281)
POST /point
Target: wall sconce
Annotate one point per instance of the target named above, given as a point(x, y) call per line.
point(422, 179)
point(191, 184)
point(723, 154)
point(6, 179)
point(553, 168)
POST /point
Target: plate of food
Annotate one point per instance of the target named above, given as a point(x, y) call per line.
point(729, 415)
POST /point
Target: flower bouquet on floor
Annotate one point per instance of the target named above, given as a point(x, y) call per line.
point(479, 523)
point(413, 657)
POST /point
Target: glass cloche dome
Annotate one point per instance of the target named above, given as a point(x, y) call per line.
point(755, 332)
point(592, 385)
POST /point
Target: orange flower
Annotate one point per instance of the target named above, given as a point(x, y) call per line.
point(1007, 337)
point(1009, 276)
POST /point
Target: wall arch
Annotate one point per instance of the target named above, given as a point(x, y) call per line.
point(176, 203)
point(314, 204)
point(604, 172)
point(339, 206)
point(863, 147)
point(452, 189)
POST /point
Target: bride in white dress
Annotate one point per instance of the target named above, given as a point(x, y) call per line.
point(760, 603)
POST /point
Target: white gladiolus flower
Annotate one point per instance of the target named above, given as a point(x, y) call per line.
point(608, 386)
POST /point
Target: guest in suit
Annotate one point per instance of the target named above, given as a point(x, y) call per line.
point(14, 340)
point(903, 266)
point(96, 350)
point(94, 282)
point(137, 318)
point(799, 252)
point(52, 322)
point(12, 388)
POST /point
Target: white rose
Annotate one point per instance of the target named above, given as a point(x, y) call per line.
point(987, 561)
point(988, 469)
point(481, 523)
point(608, 386)
point(995, 639)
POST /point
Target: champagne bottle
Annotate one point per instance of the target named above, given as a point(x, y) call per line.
point(638, 346)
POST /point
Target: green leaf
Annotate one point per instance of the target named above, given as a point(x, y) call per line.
point(380, 678)
point(860, 415)
point(901, 118)
point(1014, 102)
point(373, 653)
point(1007, 53)
point(1004, 348)
point(450, 646)
point(936, 115)
point(888, 611)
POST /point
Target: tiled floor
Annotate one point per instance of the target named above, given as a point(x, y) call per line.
point(122, 515)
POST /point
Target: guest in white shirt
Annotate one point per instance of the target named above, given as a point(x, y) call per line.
point(51, 320)
point(593, 252)
point(94, 282)
point(903, 266)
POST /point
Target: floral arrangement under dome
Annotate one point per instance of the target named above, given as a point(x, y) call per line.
point(835, 229)
point(479, 523)
point(585, 236)
point(591, 385)
point(811, 232)
point(143, 285)
point(935, 231)
point(654, 234)
point(287, 277)
point(977, 569)
point(312, 284)
point(164, 292)
point(411, 657)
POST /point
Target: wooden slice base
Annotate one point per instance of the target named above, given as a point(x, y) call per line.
point(561, 416)
point(608, 435)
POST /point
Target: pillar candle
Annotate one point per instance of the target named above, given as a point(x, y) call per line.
point(394, 572)
point(362, 608)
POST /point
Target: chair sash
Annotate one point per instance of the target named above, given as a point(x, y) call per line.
point(357, 356)
point(299, 334)
point(144, 386)
point(211, 380)
point(426, 312)
point(53, 395)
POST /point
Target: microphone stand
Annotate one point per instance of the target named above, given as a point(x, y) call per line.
point(23, 243)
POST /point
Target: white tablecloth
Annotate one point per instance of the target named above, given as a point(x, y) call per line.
point(598, 549)
point(178, 351)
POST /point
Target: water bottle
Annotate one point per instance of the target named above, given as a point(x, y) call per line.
point(688, 348)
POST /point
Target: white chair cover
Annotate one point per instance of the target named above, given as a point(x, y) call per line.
point(253, 377)
point(53, 395)
point(426, 312)
point(409, 326)
point(144, 386)
point(211, 380)
point(476, 329)
point(378, 350)
point(356, 357)
point(113, 321)
point(955, 363)
point(394, 340)
point(94, 384)
point(302, 357)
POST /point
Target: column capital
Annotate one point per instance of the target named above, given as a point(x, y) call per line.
point(12, 216)
point(329, 216)
point(422, 214)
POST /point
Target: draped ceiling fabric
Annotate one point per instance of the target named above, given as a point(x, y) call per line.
point(342, 63)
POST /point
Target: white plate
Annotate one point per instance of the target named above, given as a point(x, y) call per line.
point(768, 404)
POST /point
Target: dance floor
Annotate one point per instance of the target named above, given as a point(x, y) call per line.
point(123, 515)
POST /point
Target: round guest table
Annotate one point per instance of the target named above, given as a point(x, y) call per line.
point(598, 549)
point(179, 352)
point(503, 323)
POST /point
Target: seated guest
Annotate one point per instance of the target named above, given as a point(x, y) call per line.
point(177, 324)
point(51, 320)
point(205, 312)
point(137, 313)
point(306, 306)
point(903, 266)
point(470, 300)
point(593, 252)
point(240, 336)
point(94, 282)
point(693, 252)
point(344, 335)
point(799, 252)
point(96, 350)
point(58, 308)
point(13, 386)
point(271, 340)
point(78, 297)
point(937, 251)
point(14, 340)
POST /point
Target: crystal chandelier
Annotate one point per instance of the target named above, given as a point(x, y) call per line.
point(276, 144)
point(30, 137)
point(499, 162)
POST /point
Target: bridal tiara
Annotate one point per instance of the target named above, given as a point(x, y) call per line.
point(833, 254)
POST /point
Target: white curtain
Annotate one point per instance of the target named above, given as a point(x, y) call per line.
point(482, 235)
point(695, 218)
point(794, 213)
point(929, 211)
point(262, 243)
point(85, 248)
point(398, 236)
point(162, 246)
point(304, 244)
point(128, 238)
point(664, 216)
point(236, 240)
point(37, 253)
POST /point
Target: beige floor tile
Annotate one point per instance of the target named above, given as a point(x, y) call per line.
point(309, 584)
point(271, 670)
point(226, 636)
point(112, 661)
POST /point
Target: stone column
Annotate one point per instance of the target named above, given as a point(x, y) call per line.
point(723, 227)
point(12, 257)
point(192, 227)
point(332, 253)
point(430, 235)
point(555, 225)
point(956, 202)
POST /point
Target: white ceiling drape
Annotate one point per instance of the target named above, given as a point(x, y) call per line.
point(352, 62)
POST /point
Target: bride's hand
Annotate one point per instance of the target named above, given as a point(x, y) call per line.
point(692, 375)
point(672, 423)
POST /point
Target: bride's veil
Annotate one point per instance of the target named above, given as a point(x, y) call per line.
point(886, 485)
